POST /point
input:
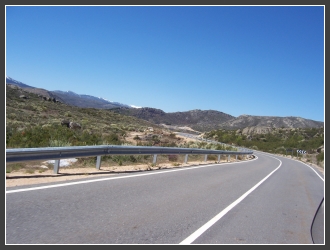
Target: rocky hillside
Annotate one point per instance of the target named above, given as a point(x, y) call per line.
point(206, 120)
point(200, 120)
point(29, 89)
point(33, 120)
point(86, 101)
point(67, 97)
point(259, 123)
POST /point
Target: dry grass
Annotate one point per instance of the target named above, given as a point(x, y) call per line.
point(21, 177)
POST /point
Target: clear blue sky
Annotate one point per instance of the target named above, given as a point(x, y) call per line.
point(254, 60)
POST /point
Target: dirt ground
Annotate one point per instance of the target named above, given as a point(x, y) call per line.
point(21, 177)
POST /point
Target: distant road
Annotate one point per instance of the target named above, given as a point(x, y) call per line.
point(270, 200)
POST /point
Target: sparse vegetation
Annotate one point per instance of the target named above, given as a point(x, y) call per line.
point(277, 141)
point(34, 122)
point(320, 157)
point(173, 157)
point(14, 167)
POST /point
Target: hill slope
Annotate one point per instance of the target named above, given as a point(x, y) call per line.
point(86, 101)
point(245, 121)
point(68, 97)
point(198, 120)
point(30, 115)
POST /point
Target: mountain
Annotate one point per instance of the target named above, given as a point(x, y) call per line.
point(198, 120)
point(206, 120)
point(244, 121)
point(17, 83)
point(46, 122)
point(39, 91)
point(87, 101)
point(69, 97)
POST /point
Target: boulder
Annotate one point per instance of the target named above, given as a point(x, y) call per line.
point(65, 123)
point(74, 125)
point(320, 149)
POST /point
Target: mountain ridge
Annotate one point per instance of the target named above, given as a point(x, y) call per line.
point(199, 120)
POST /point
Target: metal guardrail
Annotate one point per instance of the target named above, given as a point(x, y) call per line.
point(58, 153)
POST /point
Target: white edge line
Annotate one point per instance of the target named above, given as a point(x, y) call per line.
point(296, 161)
point(206, 226)
point(313, 170)
point(120, 177)
point(309, 167)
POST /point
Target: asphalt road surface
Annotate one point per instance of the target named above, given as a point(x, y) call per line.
point(269, 200)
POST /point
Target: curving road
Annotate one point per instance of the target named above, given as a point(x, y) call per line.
point(269, 200)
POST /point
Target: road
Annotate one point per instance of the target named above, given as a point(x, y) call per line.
point(269, 200)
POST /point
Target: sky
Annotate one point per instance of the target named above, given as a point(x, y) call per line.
point(252, 60)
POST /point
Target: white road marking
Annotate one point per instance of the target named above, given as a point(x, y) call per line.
point(297, 161)
point(119, 177)
point(206, 226)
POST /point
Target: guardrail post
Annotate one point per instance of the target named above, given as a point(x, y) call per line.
point(186, 158)
point(56, 166)
point(98, 162)
point(236, 157)
point(17, 155)
point(155, 159)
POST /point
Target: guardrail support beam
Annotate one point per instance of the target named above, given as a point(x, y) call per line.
point(186, 158)
point(236, 157)
point(205, 158)
point(228, 160)
point(56, 166)
point(98, 162)
point(155, 159)
point(219, 158)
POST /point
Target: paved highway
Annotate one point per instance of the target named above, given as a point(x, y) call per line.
point(269, 200)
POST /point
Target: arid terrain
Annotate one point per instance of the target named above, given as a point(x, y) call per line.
point(21, 177)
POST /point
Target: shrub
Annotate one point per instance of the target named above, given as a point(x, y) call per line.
point(29, 171)
point(212, 157)
point(137, 137)
point(172, 144)
point(132, 158)
point(172, 157)
point(172, 135)
point(112, 139)
point(10, 167)
point(59, 143)
point(320, 157)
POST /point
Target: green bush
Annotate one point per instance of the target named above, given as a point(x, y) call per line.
point(173, 157)
point(58, 143)
point(320, 157)
point(55, 135)
point(212, 157)
point(10, 167)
